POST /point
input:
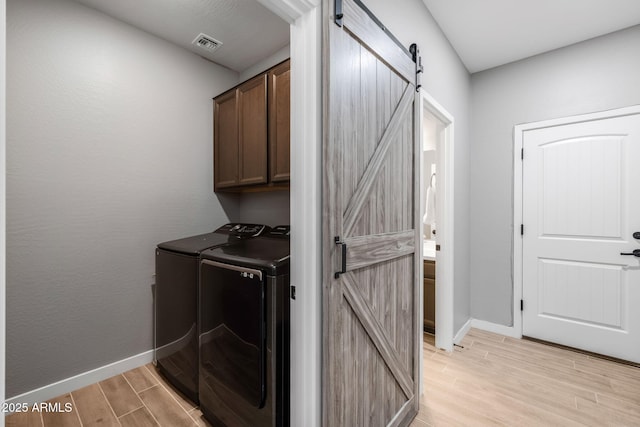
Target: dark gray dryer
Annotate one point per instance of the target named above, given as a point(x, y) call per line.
point(176, 302)
point(244, 332)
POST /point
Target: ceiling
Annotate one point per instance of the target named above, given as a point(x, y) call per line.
point(485, 33)
point(489, 33)
point(248, 31)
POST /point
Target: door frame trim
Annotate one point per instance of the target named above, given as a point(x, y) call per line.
point(305, 19)
point(445, 274)
point(518, 196)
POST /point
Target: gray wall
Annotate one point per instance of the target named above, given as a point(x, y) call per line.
point(447, 80)
point(595, 75)
point(265, 64)
point(109, 148)
point(271, 208)
point(3, 174)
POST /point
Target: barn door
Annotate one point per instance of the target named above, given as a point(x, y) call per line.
point(371, 337)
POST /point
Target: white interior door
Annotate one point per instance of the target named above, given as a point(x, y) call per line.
point(581, 207)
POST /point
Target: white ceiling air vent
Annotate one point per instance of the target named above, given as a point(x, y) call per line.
point(206, 42)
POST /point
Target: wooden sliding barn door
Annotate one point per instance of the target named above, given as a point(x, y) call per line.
point(371, 338)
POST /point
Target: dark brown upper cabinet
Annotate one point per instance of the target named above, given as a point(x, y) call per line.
point(251, 133)
point(279, 128)
point(225, 138)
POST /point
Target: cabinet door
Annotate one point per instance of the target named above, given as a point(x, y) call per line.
point(279, 127)
point(429, 296)
point(225, 140)
point(429, 304)
point(252, 131)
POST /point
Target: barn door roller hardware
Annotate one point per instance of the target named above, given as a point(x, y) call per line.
point(338, 15)
point(415, 56)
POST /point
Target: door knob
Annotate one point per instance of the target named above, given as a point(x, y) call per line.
point(636, 252)
point(636, 235)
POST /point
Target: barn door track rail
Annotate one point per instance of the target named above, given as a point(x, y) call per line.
point(339, 16)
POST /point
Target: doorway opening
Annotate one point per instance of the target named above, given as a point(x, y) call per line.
point(436, 130)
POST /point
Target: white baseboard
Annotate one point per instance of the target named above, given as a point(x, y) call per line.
point(82, 380)
point(462, 331)
point(495, 328)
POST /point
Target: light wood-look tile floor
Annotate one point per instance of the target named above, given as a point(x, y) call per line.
point(140, 397)
point(497, 380)
point(490, 380)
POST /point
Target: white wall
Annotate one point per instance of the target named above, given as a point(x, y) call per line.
point(447, 80)
point(595, 75)
point(109, 151)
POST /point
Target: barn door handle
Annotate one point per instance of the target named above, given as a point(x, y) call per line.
point(344, 257)
point(634, 253)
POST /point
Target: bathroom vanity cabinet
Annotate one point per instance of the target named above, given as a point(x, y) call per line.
point(429, 296)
